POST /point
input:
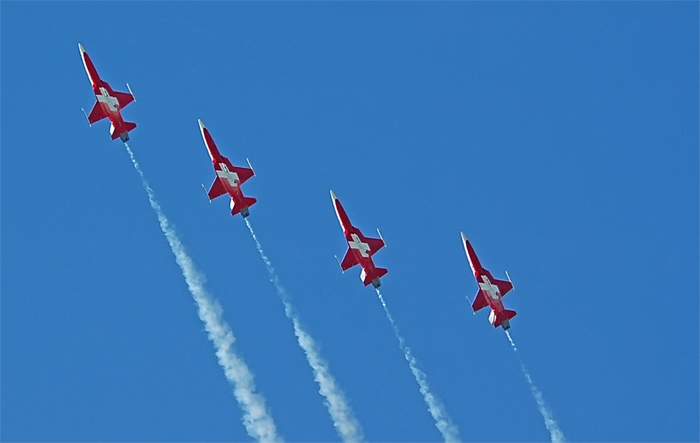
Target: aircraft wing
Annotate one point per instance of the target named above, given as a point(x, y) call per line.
point(479, 301)
point(123, 98)
point(375, 244)
point(243, 173)
point(96, 114)
point(348, 261)
point(503, 286)
point(217, 189)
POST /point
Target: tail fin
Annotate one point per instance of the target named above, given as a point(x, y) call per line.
point(369, 278)
point(123, 129)
point(246, 203)
point(498, 319)
point(129, 126)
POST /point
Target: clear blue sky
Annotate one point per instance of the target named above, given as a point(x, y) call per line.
point(561, 137)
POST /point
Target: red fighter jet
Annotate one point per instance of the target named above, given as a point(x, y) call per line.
point(360, 248)
point(109, 102)
point(229, 178)
point(491, 290)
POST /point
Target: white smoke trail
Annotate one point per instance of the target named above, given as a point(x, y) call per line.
point(256, 419)
point(449, 430)
point(512, 343)
point(342, 415)
point(555, 433)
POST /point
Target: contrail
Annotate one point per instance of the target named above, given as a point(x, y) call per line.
point(555, 433)
point(256, 419)
point(449, 430)
point(342, 415)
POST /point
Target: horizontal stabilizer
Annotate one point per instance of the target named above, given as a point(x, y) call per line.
point(249, 201)
point(246, 203)
point(502, 316)
point(123, 129)
point(369, 278)
point(129, 126)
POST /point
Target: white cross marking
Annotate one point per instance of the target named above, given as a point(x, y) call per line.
point(491, 289)
point(225, 174)
point(358, 244)
point(107, 99)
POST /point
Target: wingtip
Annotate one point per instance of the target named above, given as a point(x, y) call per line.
point(333, 197)
point(464, 237)
point(82, 50)
point(201, 124)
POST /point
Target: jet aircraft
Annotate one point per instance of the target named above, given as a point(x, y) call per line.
point(229, 178)
point(491, 290)
point(360, 248)
point(109, 102)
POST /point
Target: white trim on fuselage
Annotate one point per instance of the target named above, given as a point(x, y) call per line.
point(359, 245)
point(108, 101)
point(493, 293)
point(229, 177)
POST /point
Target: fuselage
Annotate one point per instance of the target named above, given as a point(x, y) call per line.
point(104, 95)
point(493, 294)
point(358, 247)
point(229, 179)
point(224, 169)
point(360, 250)
point(484, 279)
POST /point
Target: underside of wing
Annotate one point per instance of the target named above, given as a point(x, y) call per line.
point(479, 301)
point(123, 98)
point(217, 189)
point(375, 244)
point(243, 173)
point(348, 261)
point(503, 286)
point(96, 114)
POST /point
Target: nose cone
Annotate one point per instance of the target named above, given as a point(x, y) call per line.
point(340, 212)
point(89, 67)
point(467, 246)
point(209, 142)
point(471, 255)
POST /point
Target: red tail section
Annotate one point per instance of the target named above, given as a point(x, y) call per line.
point(123, 129)
point(370, 278)
point(128, 126)
point(506, 314)
point(249, 201)
point(243, 207)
